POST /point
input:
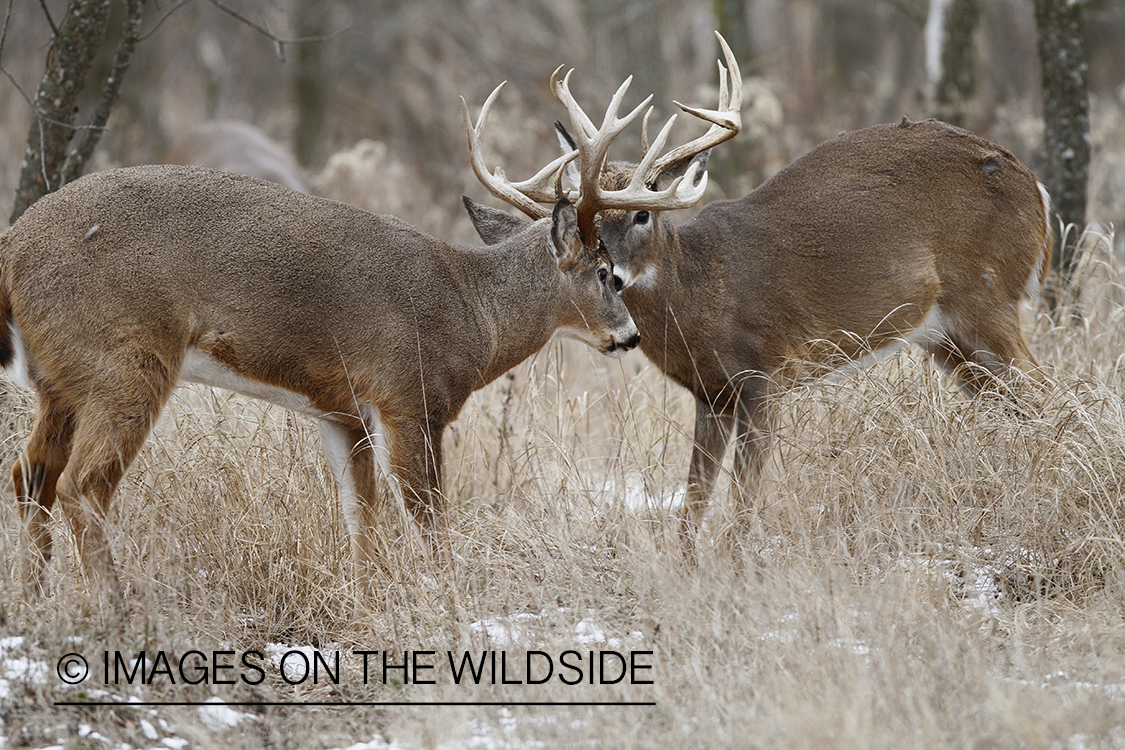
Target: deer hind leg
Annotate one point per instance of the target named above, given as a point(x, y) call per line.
point(986, 355)
point(365, 501)
point(35, 476)
point(110, 428)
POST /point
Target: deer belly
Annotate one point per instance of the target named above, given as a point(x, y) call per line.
point(200, 367)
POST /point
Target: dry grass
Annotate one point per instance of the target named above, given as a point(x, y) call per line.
point(925, 571)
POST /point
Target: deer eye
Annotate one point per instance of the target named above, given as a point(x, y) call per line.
point(641, 217)
point(603, 274)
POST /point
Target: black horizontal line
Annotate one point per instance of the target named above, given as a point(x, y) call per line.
point(356, 703)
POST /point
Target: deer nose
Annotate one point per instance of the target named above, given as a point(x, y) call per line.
point(630, 343)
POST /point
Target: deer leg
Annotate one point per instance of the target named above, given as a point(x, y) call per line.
point(365, 503)
point(1004, 350)
point(35, 476)
point(110, 428)
point(955, 362)
point(753, 430)
point(983, 359)
point(416, 460)
point(712, 433)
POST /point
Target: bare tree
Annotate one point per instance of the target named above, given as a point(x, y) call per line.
point(958, 80)
point(309, 88)
point(48, 160)
point(1066, 116)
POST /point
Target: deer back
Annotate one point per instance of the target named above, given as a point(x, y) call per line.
point(300, 293)
point(849, 246)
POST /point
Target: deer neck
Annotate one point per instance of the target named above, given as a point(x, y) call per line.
point(684, 289)
point(518, 299)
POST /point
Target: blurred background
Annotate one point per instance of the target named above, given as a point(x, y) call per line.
point(369, 107)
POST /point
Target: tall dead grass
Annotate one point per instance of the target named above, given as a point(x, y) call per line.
point(925, 571)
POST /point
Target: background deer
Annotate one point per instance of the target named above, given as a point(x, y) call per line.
point(239, 147)
point(126, 282)
point(915, 232)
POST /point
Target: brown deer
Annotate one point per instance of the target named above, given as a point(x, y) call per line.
point(914, 232)
point(127, 282)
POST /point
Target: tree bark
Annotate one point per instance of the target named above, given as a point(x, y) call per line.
point(958, 80)
point(1066, 118)
point(46, 165)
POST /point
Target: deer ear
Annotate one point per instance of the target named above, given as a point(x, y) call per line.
point(565, 241)
point(493, 225)
point(566, 145)
point(680, 168)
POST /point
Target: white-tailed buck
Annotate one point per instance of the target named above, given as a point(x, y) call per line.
point(914, 232)
point(125, 283)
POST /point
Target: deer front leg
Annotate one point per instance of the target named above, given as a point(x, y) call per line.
point(753, 429)
point(712, 432)
point(416, 460)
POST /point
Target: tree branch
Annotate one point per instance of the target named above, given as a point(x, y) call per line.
point(279, 42)
point(51, 21)
point(130, 32)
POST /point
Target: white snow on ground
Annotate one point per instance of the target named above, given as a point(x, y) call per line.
point(636, 494)
point(218, 716)
point(521, 629)
point(294, 667)
point(16, 667)
point(510, 630)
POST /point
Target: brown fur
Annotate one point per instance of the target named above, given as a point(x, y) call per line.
point(842, 253)
point(112, 279)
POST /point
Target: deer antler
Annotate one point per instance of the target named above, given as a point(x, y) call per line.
point(593, 144)
point(527, 195)
point(725, 121)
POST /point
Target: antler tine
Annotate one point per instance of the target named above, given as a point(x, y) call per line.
point(579, 120)
point(683, 192)
point(726, 121)
point(593, 144)
point(497, 183)
point(644, 132)
point(543, 186)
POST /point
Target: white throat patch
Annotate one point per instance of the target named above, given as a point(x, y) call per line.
point(646, 279)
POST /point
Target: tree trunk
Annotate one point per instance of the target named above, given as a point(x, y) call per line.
point(958, 80)
point(1066, 118)
point(46, 165)
point(309, 80)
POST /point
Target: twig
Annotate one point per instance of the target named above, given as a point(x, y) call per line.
point(51, 21)
point(163, 18)
point(279, 42)
point(4, 31)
